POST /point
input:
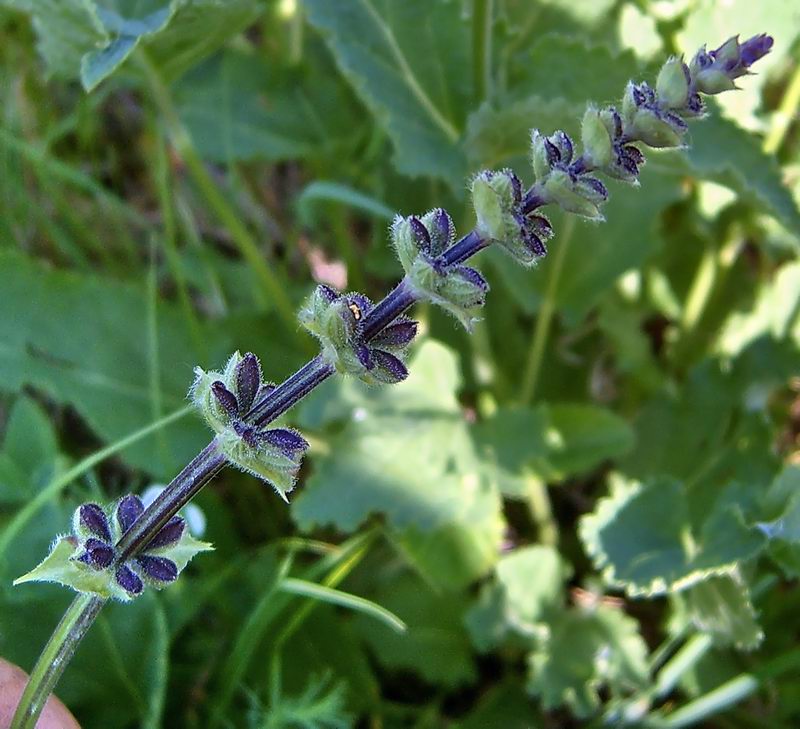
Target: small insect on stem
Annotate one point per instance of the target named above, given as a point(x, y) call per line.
point(356, 311)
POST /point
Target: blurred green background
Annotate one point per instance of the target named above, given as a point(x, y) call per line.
point(586, 513)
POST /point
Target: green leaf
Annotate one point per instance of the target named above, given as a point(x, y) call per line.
point(550, 442)
point(529, 586)
point(435, 645)
point(407, 62)
point(721, 606)
point(642, 538)
point(583, 436)
point(407, 454)
point(585, 651)
point(239, 105)
point(59, 567)
point(104, 361)
point(565, 67)
point(725, 153)
point(91, 40)
point(321, 191)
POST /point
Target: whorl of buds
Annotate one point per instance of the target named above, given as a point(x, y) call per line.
point(88, 561)
point(501, 217)
point(225, 399)
point(337, 321)
point(420, 243)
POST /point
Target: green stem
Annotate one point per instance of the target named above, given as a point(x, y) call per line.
point(546, 312)
point(275, 290)
point(482, 17)
point(54, 659)
point(784, 116)
point(541, 510)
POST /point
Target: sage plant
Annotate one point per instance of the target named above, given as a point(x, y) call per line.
point(119, 550)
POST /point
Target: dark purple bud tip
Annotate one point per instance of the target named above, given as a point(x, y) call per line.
point(540, 226)
point(443, 224)
point(248, 379)
point(170, 534)
point(754, 48)
point(596, 186)
point(399, 334)
point(391, 368)
point(678, 124)
point(92, 518)
point(474, 277)
point(225, 398)
point(129, 509)
point(420, 233)
point(534, 244)
point(129, 581)
point(562, 139)
point(363, 355)
point(290, 442)
point(98, 555)
point(516, 185)
point(160, 569)
point(326, 293)
point(553, 155)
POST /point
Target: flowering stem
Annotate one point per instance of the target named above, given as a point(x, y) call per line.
point(54, 658)
point(546, 313)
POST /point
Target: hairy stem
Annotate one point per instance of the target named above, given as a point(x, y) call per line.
point(54, 659)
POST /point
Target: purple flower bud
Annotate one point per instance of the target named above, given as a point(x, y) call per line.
point(327, 294)
point(420, 232)
point(92, 518)
point(553, 155)
point(248, 379)
point(129, 581)
point(678, 124)
point(755, 48)
point(399, 334)
point(442, 224)
point(541, 226)
point(473, 276)
point(363, 355)
point(391, 368)
point(695, 105)
point(98, 555)
point(169, 534)
point(600, 190)
point(534, 243)
point(160, 569)
point(615, 115)
point(129, 509)
point(363, 305)
point(290, 442)
point(564, 143)
point(516, 186)
point(225, 398)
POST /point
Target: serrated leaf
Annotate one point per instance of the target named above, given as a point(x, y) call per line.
point(408, 455)
point(641, 537)
point(406, 61)
point(721, 606)
point(587, 650)
point(528, 587)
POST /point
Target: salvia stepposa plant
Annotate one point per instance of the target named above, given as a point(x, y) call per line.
point(119, 550)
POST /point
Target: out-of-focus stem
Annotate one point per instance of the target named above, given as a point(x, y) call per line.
point(54, 659)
